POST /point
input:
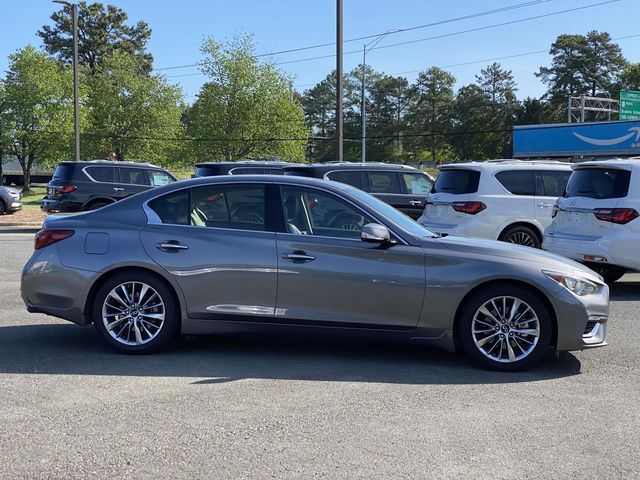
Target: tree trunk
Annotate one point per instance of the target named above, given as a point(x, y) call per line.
point(26, 183)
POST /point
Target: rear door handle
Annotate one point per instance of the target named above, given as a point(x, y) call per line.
point(118, 189)
point(171, 246)
point(545, 205)
point(298, 257)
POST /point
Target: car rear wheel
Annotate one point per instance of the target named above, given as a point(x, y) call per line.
point(504, 328)
point(97, 205)
point(134, 312)
point(609, 273)
point(521, 235)
point(3, 209)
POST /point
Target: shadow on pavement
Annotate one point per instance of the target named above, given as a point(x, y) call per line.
point(625, 291)
point(73, 350)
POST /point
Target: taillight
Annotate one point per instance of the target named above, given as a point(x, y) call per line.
point(615, 215)
point(468, 207)
point(49, 237)
point(66, 189)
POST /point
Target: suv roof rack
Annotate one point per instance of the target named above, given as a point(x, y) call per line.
point(130, 163)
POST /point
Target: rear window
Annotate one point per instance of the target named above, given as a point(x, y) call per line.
point(598, 183)
point(63, 172)
point(518, 182)
point(457, 181)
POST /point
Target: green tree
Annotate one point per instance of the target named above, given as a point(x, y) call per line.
point(582, 64)
point(101, 31)
point(37, 115)
point(630, 77)
point(132, 116)
point(470, 122)
point(432, 112)
point(246, 109)
point(500, 106)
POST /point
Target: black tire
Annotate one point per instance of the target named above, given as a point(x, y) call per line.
point(521, 235)
point(167, 331)
point(97, 205)
point(609, 273)
point(472, 307)
point(3, 208)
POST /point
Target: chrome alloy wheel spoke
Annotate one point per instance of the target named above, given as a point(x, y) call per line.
point(505, 329)
point(133, 313)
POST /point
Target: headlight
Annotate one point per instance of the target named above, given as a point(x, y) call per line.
point(579, 286)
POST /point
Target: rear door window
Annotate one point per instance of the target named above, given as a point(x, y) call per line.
point(229, 206)
point(518, 182)
point(599, 183)
point(103, 174)
point(457, 181)
point(158, 178)
point(553, 182)
point(384, 182)
point(416, 183)
point(172, 208)
point(349, 177)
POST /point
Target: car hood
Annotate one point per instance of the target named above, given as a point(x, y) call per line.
point(496, 249)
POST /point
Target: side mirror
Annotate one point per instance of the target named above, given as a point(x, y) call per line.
point(375, 233)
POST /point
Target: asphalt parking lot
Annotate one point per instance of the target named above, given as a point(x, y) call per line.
point(253, 408)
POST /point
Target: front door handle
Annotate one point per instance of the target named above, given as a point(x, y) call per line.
point(415, 203)
point(171, 246)
point(118, 189)
point(298, 257)
point(545, 205)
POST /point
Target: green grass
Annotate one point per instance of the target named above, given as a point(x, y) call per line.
point(32, 200)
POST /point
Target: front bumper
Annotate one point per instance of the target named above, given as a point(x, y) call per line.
point(581, 321)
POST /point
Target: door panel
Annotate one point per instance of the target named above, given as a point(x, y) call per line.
point(349, 282)
point(222, 272)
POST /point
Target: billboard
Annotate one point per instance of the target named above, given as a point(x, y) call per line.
point(597, 139)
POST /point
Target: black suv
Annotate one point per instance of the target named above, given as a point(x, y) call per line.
point(401, 186)
point(88, 185)
point(241, 167)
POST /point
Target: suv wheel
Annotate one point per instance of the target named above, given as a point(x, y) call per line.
point(96, 205)
point(134, 312)
point(521, 235)
point(505, 328)
point(609, 273)
point(3, 209)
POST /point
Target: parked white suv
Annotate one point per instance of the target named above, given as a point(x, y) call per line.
point(508, 200)
point(596, 220)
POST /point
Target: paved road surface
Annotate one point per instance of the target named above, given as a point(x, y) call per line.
point(250, 408)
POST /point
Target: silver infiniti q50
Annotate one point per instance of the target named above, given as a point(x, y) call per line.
point(259, 253)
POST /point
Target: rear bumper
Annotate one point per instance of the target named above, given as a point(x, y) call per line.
point(53, 205)
point(618, 249)
point(471, 227)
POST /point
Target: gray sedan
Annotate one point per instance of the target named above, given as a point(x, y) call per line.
point(10, 200)
point(292, 254)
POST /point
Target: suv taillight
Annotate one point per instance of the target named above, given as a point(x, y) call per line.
point(66, 189)
point(468, 207)
point(615, 215)
point(45, 238)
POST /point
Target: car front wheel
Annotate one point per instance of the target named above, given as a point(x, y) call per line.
point(505, 328)
point(135, 312)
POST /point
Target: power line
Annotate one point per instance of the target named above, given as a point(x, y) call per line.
point(434, 37)
point(399, 30)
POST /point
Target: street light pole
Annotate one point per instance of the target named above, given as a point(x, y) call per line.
point(339, 82)
point(76, 95)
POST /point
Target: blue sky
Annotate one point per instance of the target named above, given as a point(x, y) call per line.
point(179, 27)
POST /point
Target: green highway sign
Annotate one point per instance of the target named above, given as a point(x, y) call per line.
point(629, 105)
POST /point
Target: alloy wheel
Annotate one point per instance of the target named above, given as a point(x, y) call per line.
point(133, 313)
point(522, 238)
point(505, 329)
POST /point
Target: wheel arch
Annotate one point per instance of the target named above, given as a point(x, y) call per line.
point(97, 283)
point(523, 223)
point(511, 282)
point(88, 203)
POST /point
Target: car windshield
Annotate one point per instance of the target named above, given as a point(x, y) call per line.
point(397, 217)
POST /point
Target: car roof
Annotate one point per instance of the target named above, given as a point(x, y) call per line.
point(509, 163)
point(244, 162)
point(625, 163)
point(114, 163)
point(352, 165)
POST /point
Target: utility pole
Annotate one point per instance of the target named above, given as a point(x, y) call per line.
point(76, 101)
point(339, 82)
